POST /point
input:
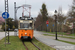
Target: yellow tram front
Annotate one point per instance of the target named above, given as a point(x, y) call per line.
point(25, 28)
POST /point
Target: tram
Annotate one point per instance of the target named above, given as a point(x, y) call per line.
point(25, 27)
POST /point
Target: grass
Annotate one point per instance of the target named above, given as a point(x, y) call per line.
point(67, 42)
point(16, 44)
point(41, 45)
point(60, 33)
point(30, 46)
point(59, 36)
point(48, 35)
point(6, 31)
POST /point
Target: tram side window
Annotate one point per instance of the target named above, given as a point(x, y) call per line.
point(21, 25)
point(30, 25)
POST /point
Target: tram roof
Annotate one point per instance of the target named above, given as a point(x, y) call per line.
point(26, 18)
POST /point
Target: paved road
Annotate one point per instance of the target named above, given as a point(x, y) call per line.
point(53, 43)
point(2, 34)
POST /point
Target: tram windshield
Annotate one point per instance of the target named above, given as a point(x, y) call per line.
point(26, 25)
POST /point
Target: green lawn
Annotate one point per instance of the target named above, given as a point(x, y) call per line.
point(60, 36)
point(16, 44)
point(60, 33)
point(48, 35)
point(6, 31)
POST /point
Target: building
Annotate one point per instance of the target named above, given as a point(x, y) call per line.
point(1, 22)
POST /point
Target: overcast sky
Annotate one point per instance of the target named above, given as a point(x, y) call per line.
point(36, 6)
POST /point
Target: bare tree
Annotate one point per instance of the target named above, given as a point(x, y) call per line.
point(38, 21)
point(60, 18)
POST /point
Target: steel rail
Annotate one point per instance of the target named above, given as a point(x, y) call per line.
point(32, 43)
point(25, 45)
point(35, 45)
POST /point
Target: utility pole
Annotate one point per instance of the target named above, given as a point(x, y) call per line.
point(56, 24)
point(6, 10)
point(15, 13)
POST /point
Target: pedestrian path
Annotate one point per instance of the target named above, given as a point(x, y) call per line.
point(48, 40)
point(60, 38)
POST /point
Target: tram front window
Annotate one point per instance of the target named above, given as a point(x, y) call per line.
point(26, 25)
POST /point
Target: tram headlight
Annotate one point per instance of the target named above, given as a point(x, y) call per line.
point(25, 33)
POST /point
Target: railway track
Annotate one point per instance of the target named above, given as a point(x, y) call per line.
point(32, 43)
point(24, 45)
point(35, 45)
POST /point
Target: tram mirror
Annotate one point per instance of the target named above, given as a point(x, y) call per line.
point(30, 24)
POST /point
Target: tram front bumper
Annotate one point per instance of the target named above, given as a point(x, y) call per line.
point(25, 37)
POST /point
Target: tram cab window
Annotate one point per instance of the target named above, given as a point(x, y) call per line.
point(26, 25)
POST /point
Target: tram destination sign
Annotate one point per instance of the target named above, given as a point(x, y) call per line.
point(25, 21)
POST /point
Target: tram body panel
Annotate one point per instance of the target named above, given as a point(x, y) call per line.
point(25, 29)
point(28, 33)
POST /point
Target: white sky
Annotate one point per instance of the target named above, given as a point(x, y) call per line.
point(36, 6)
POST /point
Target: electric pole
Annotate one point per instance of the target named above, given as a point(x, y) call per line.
point(6, 10)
